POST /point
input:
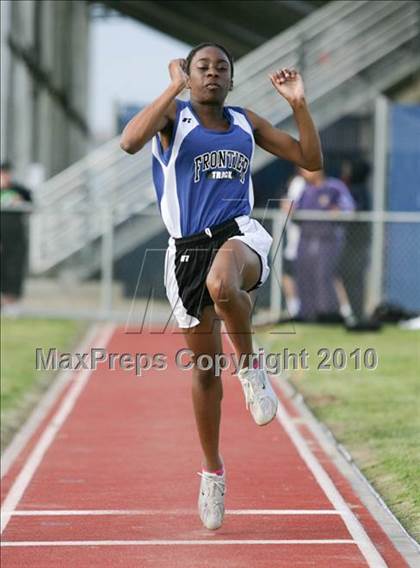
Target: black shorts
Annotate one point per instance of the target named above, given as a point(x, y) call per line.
point(13, 259)
point(189, 259)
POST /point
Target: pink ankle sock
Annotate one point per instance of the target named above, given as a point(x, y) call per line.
point(217, 472)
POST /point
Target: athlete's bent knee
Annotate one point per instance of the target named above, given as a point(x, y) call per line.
point(221, 291)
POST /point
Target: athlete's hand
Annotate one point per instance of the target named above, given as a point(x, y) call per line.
point(289, 84)
point(177, 73)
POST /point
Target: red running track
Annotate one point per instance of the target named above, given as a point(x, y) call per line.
point(111, 481)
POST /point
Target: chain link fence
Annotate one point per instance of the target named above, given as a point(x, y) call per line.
point(346, 265)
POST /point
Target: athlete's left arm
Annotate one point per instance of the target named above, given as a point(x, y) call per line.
point(305, 152)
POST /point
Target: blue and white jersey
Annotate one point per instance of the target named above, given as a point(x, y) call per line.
point(204, 177)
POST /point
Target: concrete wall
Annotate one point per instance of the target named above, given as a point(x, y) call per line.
point(44, 84)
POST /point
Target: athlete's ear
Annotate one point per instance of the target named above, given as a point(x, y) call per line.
point(231, 85)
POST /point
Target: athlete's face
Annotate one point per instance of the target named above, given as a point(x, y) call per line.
point(210, 75)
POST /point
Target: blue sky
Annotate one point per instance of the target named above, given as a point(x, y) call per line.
point(128, 64)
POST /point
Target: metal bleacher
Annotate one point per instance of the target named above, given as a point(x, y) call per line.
point(348, 53)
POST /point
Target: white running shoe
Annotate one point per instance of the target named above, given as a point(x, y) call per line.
point(211, 499)
point(260, 397)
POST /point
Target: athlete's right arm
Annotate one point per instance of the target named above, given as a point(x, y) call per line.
point(158, 115)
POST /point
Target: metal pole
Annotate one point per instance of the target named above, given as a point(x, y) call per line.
point(276, 266)
point(379, 200)
point(5, 83)
point(107, 260)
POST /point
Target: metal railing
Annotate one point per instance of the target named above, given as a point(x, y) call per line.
point(102, 296)
point(333, 46)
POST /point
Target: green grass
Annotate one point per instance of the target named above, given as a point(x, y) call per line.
point(21, 384)
point(375, 414)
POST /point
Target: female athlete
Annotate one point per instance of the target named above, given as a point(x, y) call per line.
point(217, 254)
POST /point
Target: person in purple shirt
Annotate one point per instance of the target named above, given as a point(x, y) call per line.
point(320, 245)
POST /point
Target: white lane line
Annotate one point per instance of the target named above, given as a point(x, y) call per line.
point(355, 528)
point(366, 546)
point(157, 512)
point(22, 437)
point(164, 542)
point(35, 457)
